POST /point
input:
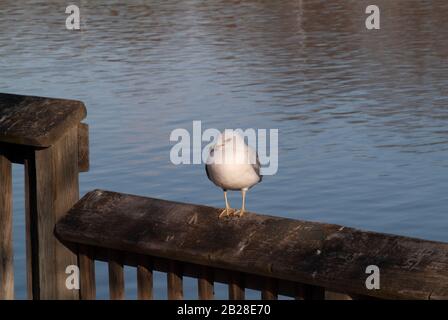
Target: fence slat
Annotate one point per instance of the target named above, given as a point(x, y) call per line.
point(270, 289)
point(236, 287)
point(144, 279)
point(205, 284)
point(174, 279)
point(116, 277)
point(87, 273)
point(6, 246)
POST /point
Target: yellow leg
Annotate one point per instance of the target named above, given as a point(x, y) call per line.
point(227, 211)
point(240, 212)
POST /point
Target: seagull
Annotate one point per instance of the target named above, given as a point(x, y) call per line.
point(233, 165)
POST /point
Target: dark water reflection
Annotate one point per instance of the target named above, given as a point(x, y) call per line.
point(363, 115)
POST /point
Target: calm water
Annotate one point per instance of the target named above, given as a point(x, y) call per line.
point(362, 115)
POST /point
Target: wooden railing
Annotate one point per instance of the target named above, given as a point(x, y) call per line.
point(277, 256)
point(175, 270)
point(274, 255)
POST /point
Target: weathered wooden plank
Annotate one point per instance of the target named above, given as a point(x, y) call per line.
point(6, 245)
point(318, 254)
point(87, 273)
point(236, 286)
point(205, 284)
point(37, 121)
point(270, 289)
point(83, 147)
point(174, 281)
point(144, 279)
point(116, 277)
point(51, 189)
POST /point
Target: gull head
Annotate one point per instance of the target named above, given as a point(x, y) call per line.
point(231, 149)
point(228, 137)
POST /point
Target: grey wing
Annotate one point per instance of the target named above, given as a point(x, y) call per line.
point(256, 166)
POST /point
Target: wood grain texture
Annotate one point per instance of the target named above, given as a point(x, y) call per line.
point(83, 147)
point(318, 254)
point(205, 284)
point(37, 121)
point(116, 277)
point(144, 279)
point(51, 190)
point(87, 273)
point(6, 244)
point(174, 281)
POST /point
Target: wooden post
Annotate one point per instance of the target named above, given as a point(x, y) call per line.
point(47, 136)
point(6, 248)
point(51, 190)
point(83, 147)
